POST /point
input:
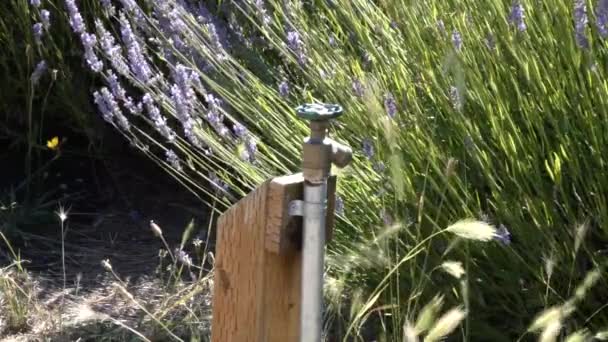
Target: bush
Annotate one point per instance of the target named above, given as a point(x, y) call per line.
point(469, 109)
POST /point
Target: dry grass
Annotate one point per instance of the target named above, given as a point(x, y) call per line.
point(115, 310)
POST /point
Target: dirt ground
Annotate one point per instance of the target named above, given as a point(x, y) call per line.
point(110, 202)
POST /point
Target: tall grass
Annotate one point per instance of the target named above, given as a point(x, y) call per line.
point(457, 109)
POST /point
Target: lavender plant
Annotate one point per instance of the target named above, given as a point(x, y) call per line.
point(500, 87)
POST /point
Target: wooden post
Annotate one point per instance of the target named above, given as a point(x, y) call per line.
point(258, 264)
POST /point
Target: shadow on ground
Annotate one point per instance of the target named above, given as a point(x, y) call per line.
point(109, 204)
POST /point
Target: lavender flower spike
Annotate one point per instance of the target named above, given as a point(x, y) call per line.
point(160, 122)
point(503, 235)
point(239, 130)
point(75, 18)
point(517, 16)
point(138, 63)
point(261, 12)
point(368, 148)
point(109, 9)
point(252, 147)
point(601, 13)
point(38, 71)
point(358, 88)
point(297, 46)
point(456, 98)
point(173, 159)
point(109, 108)
point(35, 3)
point(89, 41)
point(580, 23)
point(45, 18)
point(457, 40)
point(111, 50)
point(37, 31)
point(284, 88)
point(441, 26)
point(390, 105)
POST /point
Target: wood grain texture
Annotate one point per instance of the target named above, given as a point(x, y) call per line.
point(284, 232)
point(258, 265)
point(239, 281)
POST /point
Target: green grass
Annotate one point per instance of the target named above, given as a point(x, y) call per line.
point(525, 148)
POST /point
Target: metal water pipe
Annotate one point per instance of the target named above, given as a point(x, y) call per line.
point(319, 152)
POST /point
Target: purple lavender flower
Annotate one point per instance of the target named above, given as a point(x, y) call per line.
point(183, 79)
point(108, 9)
point(160, 122)
point(169, 21)
point(244, 155)
point(75, 18)
point(37, 31)
point(517, 16)
point(293, 40)
point(248, 151)
point(456, 40)
point(219, 185)
point(181, 103)
point(213, 101)
point(137, 60)
point(173, 159)
point(218, 33)
point(182, 97)
point(580, 23)
point(117, 90)
point(219, 44)
point(111, 50)
point(214, 116)
point(332, 40)
point(252, 147)
point(182, 93)
point(339, 205)
point(106, 3)
point(441, 27)
point(456, 98)
point(239, 130)
point(601, 13)
point(379, 167)
point(119, 93)
point(261, 12)
point(284, 88)
point(390, 105)
point(41, 67)
point(135, 12)
point(394, 25)
point(297, 46)
point(368, 148)
point(89, 41)
point(45, 18)
point(503, 235)
point(109, 108)
point(35, 3)
point(358, 88)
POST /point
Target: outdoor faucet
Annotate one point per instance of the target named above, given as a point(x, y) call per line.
point(319, 152)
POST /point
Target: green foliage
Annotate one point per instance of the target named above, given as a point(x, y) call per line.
point(508, 128)
point(524, 117)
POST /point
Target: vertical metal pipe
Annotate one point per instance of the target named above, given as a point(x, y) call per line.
point(313, 251)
